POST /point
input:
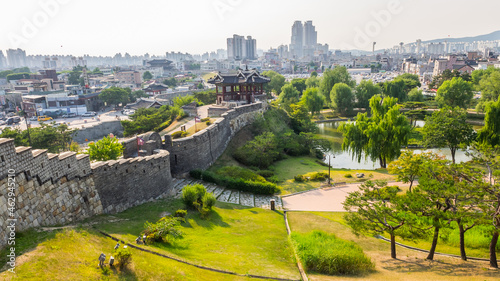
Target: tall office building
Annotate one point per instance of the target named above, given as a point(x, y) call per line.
point(239, 48)
point(310, 34)
point(16, 58)
point(296, 46)
point(3, 61)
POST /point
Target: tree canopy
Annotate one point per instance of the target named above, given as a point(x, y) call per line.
point(289, 94)
point(364, 92)
point(448, 128)
point(313, 100)
point(490, 133)
point(147, 76)
point(333, 76)
point(115, 96)
point(55, 138)
point(342, 98)
point(105, 149)
point(380, 136)
point(276, 83)
point(455, 92)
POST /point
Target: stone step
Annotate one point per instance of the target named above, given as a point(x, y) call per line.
point(224, 197)
point(218, 191)
point(235, 197)
point(247, 199)
point(211, 188)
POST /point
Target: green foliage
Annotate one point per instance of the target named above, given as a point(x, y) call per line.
point(17, 76)
point(300, 119)
point(179, 135)
point(342, 98)
point(313, 100)
point(380, 136)
point(105, 149)
point(151, 119)
point(331, 77)
point(323, 253)
point(289, 94)
point(115, 96)
point(22, 70)
point(416, 95)
point(347, 176)
point(260, 152)
point(276, 83)
point(165, 230)
point(147, 76)
point(196, 174)
point(313, 82)
point(264, 188)
point(319, 176)
point(490, 133)
point(400, 87)
point(181, 214)
point(48, 136)
point(185, 100)
point(74, 147)
point(133, 96)
point(206, 97)
point(299, 178)
point(192, 195)
point(239, 172)
point(265, 173)
point(447, 75)
point(365, 91)
point(408, 167)
point(448, 128)
point(299, 84)
point(123, 257)
point(455, 92)
point(171, 82)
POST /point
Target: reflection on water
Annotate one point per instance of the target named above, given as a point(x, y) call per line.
point(340, 159)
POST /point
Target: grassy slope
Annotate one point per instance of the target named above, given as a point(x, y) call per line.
point(234, 238)
point(72, 255)
point(410, 265)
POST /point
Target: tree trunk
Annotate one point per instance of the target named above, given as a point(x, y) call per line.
point(462, 242)
point(453, 155)
point(393, 246)
point(493, 254)
point(434, 244)
point(381, 161)
point(411, 183)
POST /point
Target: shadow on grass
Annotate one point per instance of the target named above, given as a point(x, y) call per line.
point(440, 267)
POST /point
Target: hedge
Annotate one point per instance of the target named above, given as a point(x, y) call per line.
point(264, 188)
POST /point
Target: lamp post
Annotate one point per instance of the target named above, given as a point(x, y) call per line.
point(329, 166)
point(27, 126)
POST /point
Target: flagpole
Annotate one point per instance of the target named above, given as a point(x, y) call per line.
point(137, 142)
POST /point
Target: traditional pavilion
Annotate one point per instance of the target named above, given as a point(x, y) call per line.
point(240, 88)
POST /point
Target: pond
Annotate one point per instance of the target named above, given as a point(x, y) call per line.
point(343, 160)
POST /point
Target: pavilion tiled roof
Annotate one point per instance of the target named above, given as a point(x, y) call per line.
point(242, 77)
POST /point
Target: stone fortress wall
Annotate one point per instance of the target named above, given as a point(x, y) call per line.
point(63, 188)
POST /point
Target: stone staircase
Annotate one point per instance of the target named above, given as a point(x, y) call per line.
point(230, 196)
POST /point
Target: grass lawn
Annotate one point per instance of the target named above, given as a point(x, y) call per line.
point(199, 126)
point(234, 238)
point(209, 75)
point(72, 255)
point(409, 265)
point(286, 169)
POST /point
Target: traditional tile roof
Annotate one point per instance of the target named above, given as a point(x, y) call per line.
point(242, 77)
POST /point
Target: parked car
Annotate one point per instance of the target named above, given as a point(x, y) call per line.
point(89, 114)
point(34, 118)
point(13, 120)
point(44, 118)
point(69, 115)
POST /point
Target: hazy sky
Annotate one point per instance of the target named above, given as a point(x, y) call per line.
point(106, 27)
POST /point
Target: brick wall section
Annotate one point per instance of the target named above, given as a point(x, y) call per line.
point(130, 182)
point(152, 142)
point(203, 148)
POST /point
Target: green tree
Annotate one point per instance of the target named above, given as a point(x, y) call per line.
point(115, 96)
point(490, 133)
point(261, 152)
point(408, 167)
point(400, 87)
point(380, 136)
point(331, 77)
point(455, 92)
point(133, 96)
point(185, 100)
point(342, 98)
point(289, 94)
point(373, 210)
point(364, 92)
point(55, 138)
point(123, 257)
point(299, 84)
point(490, 86)
point(171, 82)
point(105, 149)
point(17, 76)
point(200, 86)
point(313, 82)
point(147, 76)
point(313, 100)
point(416, 95)
point(448, 128)
point(276, 83)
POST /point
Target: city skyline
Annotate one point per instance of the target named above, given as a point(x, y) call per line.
point(72, 27)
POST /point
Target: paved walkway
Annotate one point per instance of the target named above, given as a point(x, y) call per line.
point(323, 200)
point(231, 196)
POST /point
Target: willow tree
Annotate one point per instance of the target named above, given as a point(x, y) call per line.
point(379, 137)
point(490, 133)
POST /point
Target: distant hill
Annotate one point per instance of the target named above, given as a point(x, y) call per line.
point(487, 37)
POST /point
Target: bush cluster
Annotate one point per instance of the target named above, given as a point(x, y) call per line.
point(123, 257)
point(324, 253)
point(196, 196)
point(164, 230)
point(264, 188)
point(299, 178)
point(179, 134)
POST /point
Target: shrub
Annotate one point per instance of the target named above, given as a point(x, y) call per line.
point(181, 214)
point(179, 134)
point(240, 173)
point(273, 179)
point(208, 123)
point(192, 195)
point(196, 174)
point(299, 178)
point(205, 119)
point(123, 257)
point(265, 173)
point(208, 201)
point(348, 176)
point(320, 176)
point(264, 188)
point(164, 230)
point(324, 253)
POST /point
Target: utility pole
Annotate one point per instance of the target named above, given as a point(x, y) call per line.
point(27, 126)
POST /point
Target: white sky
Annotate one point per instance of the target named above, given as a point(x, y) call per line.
point(106, 27)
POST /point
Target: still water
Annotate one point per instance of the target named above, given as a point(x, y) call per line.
point(344, 160)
